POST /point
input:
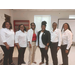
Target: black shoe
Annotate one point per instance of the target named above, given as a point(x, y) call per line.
point(24, 63)
point(46, 63)
point(12, 63)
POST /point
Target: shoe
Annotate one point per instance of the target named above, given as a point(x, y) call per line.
point(41, 63)
point(24, 63)
point(61, 64)
point(46, 63)
point(34, 62)
point(12, 63)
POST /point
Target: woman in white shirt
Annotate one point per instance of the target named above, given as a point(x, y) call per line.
point(55, 42)
point(21, 42)
point(66, 42)
point(7, 38)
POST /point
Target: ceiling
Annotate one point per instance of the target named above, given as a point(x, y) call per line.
point(44, 10)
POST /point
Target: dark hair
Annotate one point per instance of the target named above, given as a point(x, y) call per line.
point(23, 26)
point(43, 23)
point(68, 26)
point(3, 26)
point(33, 23)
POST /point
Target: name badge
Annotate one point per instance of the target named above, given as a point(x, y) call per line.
point(44, 33)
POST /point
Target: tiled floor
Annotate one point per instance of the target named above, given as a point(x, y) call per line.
point(38, 56)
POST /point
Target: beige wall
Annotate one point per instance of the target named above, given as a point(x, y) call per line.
point(22, 15)
point(5, 11)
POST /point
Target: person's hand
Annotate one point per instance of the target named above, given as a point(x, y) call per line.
point(66, 51)
point(30, 45)
point(37, 46)
point(7, 46)
point(46, 48)
point(58, 48)
point(18, 47)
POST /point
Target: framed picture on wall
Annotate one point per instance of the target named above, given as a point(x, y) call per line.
point(26, 23)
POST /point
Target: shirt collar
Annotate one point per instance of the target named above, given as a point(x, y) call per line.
point(7, 29)
point(32, 29)
point(21, 31)
point(66, 30)
point(54, 30)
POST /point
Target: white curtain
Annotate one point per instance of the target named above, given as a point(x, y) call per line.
point(39, 18)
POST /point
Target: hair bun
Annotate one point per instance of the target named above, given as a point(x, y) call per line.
point(44, 22)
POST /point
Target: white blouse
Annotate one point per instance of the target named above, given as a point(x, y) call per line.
point(56, 36)
point(7, 36)
point(67, 38)
point(30, 35)
point(21, 38)
point(41, 45)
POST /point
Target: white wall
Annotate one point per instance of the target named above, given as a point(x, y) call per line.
point(5, 11)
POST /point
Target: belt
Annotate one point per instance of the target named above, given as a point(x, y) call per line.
point(54, 42)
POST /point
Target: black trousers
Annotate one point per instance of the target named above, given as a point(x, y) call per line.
point(53, 47)
point(7, 54)
point(44, 55)
point(64, 54)
point(21, 52)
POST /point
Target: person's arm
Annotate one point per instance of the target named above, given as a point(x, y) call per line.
point(7, 46)
point(69, 41)
point(3, 38)
point(18, 45)
point(59, 40)
point(29, 44)
point(28, 36)
point(37, 40)
point(48, 38)
point(48, 42)
point(26, 39)
point(16, 40)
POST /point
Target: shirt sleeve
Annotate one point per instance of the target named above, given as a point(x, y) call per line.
point(37, 39)
point(16, 38)
point(28, 35)
point(26, 39)
point(49, 37)
point(3, 38)
point(69, 40)
point(60, 39)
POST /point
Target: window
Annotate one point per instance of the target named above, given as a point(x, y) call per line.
point(39, 18)
point(71, 16)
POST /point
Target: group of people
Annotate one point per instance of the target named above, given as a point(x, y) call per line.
point(56, 39)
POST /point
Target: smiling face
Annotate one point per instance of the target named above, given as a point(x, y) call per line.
point(22, 28)
point(54, 25)
point(33, 26)
point(7, 25)
point(65, 26)
point(43, 27)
